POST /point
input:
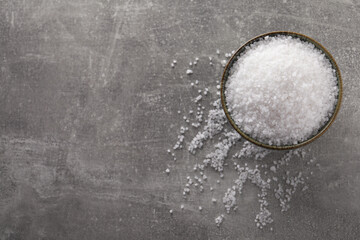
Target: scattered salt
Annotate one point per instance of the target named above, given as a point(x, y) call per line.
point(283, 186)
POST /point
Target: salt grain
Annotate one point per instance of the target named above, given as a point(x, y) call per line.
point(189, 72)
point(219, 220)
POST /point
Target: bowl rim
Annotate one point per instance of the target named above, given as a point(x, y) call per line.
point(302, 37)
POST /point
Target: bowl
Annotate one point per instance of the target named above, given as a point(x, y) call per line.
point(235, 57)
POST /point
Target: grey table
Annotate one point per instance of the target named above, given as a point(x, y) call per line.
point(89, 106)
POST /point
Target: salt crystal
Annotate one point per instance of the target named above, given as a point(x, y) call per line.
point(198, 98)
point(189, 72)
point(171, 211)
point(200, 208)
point(167, 170)
point(219, 220)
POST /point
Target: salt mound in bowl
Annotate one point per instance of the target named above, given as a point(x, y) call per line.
point(281, 90)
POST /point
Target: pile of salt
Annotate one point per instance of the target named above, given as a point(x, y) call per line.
point(281, 91)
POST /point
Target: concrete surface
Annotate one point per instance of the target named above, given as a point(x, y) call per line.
point(89, 106)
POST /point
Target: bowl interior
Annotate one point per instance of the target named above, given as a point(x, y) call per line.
point(236, 56)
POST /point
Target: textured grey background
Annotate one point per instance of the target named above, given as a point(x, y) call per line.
point(88, 107)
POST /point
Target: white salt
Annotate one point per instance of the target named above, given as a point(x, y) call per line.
point(189, 72)
point(281, 90)
point(198, 98)
point(219, 220)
